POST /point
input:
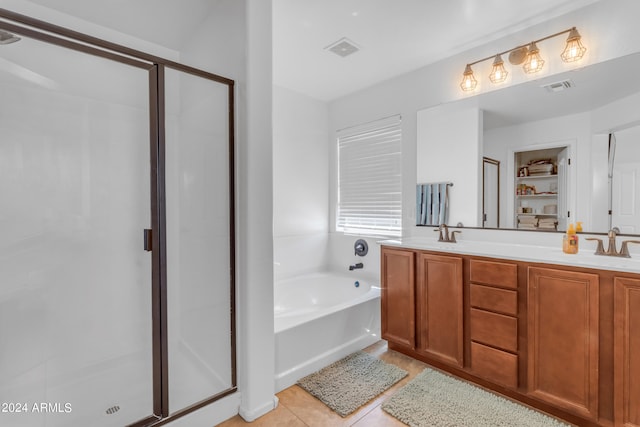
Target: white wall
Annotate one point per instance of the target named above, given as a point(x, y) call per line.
point(300, 183)
point(609, 30)
point(254, 205)
point(449, 149)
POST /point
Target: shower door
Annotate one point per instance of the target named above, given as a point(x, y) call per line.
point(199, 234)
point(76, 184)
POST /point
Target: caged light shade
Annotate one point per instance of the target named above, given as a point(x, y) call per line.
point(498, 73)
point(469, 82)
point(574, 49)
point(534, 61)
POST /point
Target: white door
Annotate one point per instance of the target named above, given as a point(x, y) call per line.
point(625, 203)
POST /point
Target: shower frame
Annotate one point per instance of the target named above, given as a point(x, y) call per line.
point(155, 65)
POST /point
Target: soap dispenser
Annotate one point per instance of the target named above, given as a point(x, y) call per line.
point(570, 241)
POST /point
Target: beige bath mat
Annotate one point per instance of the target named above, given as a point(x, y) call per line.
point(433, 399)
point(351, 382)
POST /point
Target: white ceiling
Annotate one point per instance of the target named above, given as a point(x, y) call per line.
point(168, 23)
point(395, 36)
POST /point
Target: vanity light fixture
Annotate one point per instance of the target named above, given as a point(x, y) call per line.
point(529, 54)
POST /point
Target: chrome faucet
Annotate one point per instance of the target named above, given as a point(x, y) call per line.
point(611, 249)
point(446, 237)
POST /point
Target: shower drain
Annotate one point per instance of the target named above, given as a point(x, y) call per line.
point(112, 410)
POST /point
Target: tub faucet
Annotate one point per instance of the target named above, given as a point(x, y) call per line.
point(356, 266)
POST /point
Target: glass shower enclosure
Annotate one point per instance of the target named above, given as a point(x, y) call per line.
point(116, 217)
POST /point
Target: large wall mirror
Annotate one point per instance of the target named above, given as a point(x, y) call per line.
point(590, 114)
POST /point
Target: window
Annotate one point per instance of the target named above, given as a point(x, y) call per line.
point(370, 178)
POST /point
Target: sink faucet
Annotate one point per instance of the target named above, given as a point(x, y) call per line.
point(611, 249)
point(446, 237)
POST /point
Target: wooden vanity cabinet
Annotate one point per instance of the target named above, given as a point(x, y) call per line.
point(563, 339)
point(398, 296)
point(627, 352)
point(439, 308)
point(421, 306)
point(563, 344)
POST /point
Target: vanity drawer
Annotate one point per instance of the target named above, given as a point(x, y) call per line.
point(493, 329)
point(494, 299)
point(495, 365)
point(494, 273)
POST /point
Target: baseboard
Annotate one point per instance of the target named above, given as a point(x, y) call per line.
point(254, 414)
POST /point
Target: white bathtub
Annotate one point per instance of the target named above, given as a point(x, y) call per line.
point(320, 318)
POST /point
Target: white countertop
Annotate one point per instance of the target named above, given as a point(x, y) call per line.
point(522, 252)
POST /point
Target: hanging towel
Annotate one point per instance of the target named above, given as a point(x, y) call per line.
point(432, 203)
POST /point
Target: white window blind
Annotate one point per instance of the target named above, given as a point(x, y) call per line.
point(370, 179)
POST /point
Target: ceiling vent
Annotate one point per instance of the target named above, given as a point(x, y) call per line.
point(559, 86)
point(343, 47)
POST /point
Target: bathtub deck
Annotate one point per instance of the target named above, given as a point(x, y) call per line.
point(297, 408)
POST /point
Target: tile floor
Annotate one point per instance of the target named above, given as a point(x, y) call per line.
point(297, 408)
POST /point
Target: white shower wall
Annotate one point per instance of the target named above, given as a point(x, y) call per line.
point(300, 183)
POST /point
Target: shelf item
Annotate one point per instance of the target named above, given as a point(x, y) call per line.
point(541, 169)
point(537, 177)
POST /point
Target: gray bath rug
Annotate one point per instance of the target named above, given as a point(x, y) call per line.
point(349, 383)
point(433, 399)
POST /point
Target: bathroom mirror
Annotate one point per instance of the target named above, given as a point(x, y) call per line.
point(577, 109)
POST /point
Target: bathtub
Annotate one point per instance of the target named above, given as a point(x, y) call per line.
point(320, 318)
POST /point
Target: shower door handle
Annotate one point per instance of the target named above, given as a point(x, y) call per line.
point(148, 243)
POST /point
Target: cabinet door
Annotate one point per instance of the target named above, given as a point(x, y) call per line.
point(563, 339)
point(627, 352)
point(398, 296)
point(439, 307)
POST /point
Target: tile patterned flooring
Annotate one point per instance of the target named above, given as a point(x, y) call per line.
point(297, 408)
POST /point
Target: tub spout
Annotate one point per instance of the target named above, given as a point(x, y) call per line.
point(356, 266)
